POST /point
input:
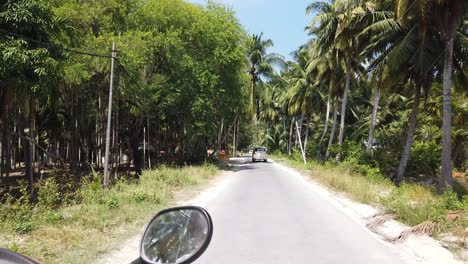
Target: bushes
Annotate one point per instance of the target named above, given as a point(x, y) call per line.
point(17, 212)
point(424, 159)
point(48, 193)
point(313, 150)
point(55, 231)
point(91, 190)
point(425, 153)
point(22, 216)
point(415, 204)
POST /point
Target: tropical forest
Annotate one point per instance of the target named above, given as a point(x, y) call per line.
point(110, 109)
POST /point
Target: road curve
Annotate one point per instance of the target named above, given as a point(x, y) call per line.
point(269, 215)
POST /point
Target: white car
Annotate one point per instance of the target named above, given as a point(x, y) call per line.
point(259, 153)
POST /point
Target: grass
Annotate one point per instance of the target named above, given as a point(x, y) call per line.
point(411, 203)
point(95, 221)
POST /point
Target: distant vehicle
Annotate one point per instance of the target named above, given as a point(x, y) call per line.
point(259, 153)
point(250, 152)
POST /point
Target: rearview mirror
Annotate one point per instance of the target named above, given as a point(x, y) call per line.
point(177, 235)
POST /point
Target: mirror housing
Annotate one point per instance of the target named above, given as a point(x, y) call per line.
point(8, 256)
point(176, 235)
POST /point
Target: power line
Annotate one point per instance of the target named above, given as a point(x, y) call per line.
point(6, 32)
point(132, 79)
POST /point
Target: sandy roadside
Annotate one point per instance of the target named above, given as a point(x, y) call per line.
point(200, 195)
point(415, 249)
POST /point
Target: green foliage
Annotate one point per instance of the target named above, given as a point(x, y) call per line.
point(451, 201)
point(14, 247)
point(424, 159)
point(424, 155)
point(387, 157)
point(23, 219)
point(313, 150)
point(113, 202)
point(75, 232)
point(91, 191)
point(48, 193)
point(414, 204)
point(17, 212)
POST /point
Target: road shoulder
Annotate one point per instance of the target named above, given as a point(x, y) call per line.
point(128, 250)
point(415, 249)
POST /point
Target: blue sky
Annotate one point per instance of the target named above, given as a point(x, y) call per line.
point(282, 21)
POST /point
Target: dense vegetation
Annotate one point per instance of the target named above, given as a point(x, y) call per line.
point(381, 83)
point(77, 227)
point(178, 81)
point(380, 88)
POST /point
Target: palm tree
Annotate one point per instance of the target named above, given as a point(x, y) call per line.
point(305, 98)
point(336, 33)
point(382, 81)
point(260, 65)
point(451, 14)
point(325, 70)
point(405, 41)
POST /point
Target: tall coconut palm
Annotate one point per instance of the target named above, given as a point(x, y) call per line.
point(405, 41)
point(377, 93)
point(325, 70)
point(449, 16)
point(336, 31)
point(260, 65)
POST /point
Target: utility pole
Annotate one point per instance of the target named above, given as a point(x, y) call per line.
point(149, 143)
point(109, 119)
point(300, 143)
point(144, 147)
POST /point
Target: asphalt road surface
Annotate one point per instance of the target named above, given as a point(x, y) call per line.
point(269, 215)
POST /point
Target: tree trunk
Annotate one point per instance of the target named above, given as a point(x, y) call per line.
point(373, 119)
point(333, 131)
point(234, 140)
point(149, 143)
point(343, 105)
point(6, 99)
point(2, 157)
point(290, 136)
point(237, 135)
point(445, 178)
point(253, 101)
point(409, 138)
point(17, 156)
point(74, 155)
point(14, 146)
point(29, 150)
point(6, 144)
point(327, 117)
point(144, 147)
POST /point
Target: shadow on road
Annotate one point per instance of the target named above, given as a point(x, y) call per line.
point(238, 164)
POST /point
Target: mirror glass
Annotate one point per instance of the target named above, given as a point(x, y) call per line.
point(175, 236)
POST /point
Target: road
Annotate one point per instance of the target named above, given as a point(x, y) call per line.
point(270, 215)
